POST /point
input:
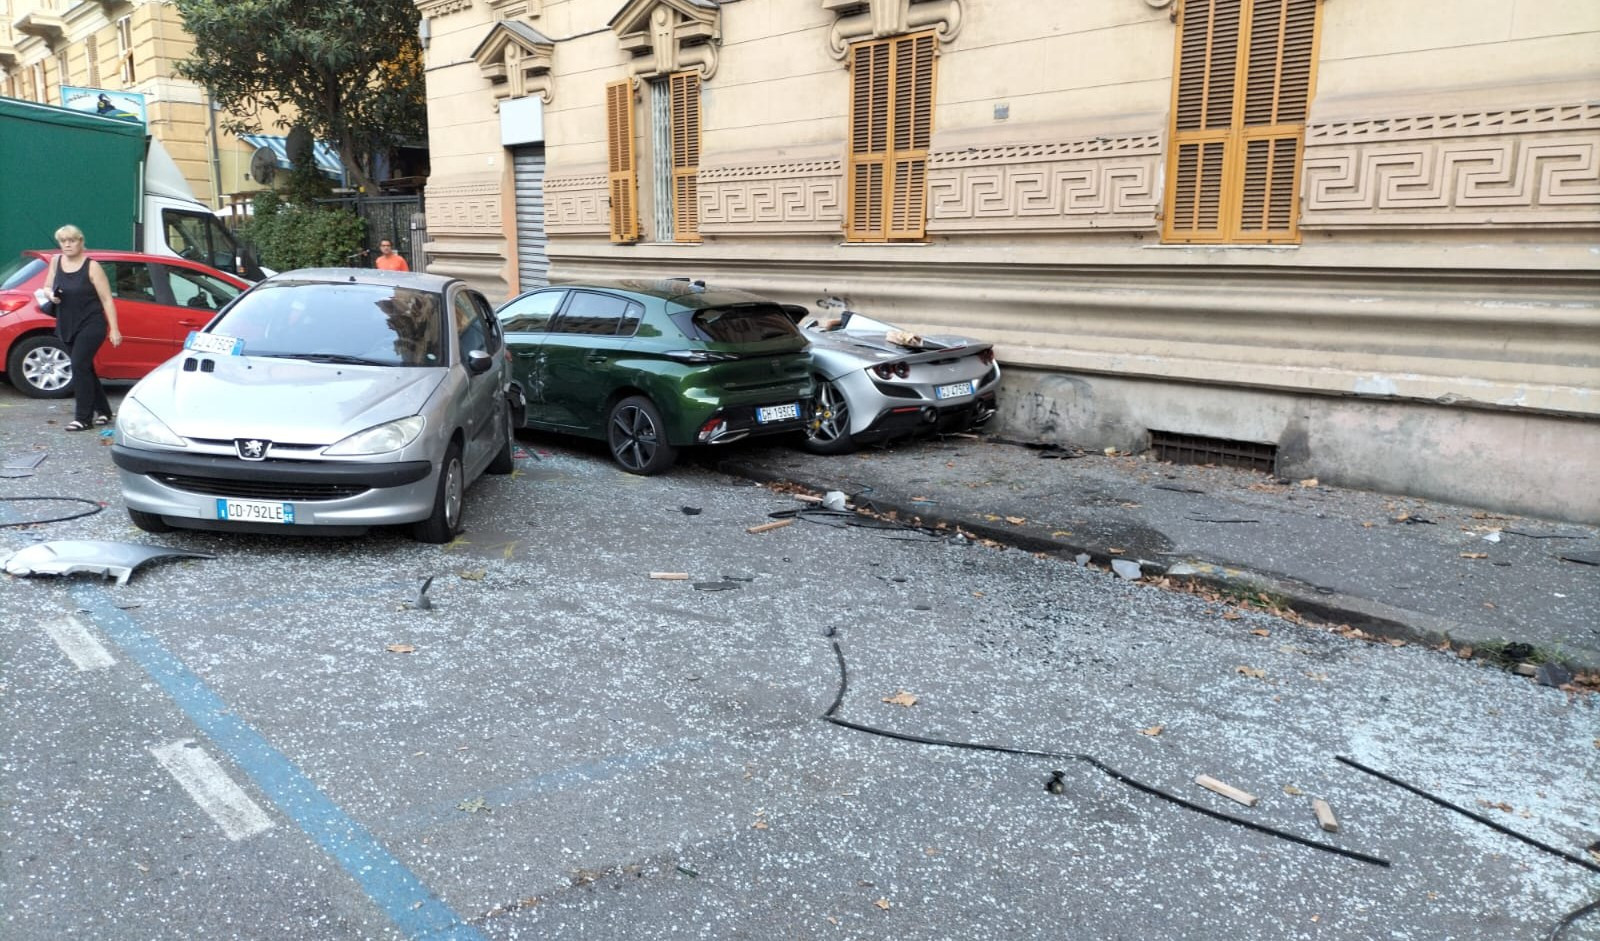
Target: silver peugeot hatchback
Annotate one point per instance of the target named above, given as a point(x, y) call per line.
point(323, 400)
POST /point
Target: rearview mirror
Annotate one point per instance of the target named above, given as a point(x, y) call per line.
point(478, 362)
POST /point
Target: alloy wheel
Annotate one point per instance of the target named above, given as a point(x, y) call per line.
point(833, 414)
point(633, 437)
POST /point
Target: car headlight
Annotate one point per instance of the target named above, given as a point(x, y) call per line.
point(140, 424)
point(380, 439)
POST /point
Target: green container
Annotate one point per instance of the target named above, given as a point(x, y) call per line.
point(59, 166)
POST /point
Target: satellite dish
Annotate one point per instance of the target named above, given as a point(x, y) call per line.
point(298, 145)
point(263, 165)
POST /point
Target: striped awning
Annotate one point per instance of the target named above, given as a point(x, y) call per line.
point(326, 157)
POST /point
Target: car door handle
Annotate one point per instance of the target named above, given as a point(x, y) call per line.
point(595, 358)
point(526, 355)
point(191, 323)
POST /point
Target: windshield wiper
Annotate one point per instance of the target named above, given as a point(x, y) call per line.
point(338, 358)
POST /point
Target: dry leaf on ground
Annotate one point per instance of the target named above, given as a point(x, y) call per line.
point(1261, 632)
point(882, 903)
point(902, 698)
point(1016, 520)
point(1251, 672)
point(1153, 730)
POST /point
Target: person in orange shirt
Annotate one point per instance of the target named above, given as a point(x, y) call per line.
point(390, 260)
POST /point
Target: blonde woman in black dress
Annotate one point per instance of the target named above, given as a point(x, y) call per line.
point(86, 316)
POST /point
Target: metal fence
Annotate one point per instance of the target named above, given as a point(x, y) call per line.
point(396, 218)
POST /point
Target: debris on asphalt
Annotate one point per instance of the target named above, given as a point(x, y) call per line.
point(688, 872)
point(70, 556)
point(1325, 818)
point(1410, 520)
point(1082, 558)
point(1213, 519)
point(400, 648)
point(473, 575)
point(715, 586)
point(901, 698)
point(768, 527)
point(1226, 790)
point(1251, 672)
point(1153, 730)
point(1552, 674)
point(1127, 569)
point(1520, 532)
point(22, 465)
point(690, 510)
point(834, 500)
point(670, 576)
point(93, 508)
point(1176, 488)
point(473, 806)
point(738, 578)
point(1582, 558)
point(1055, 785)
point(423, 603)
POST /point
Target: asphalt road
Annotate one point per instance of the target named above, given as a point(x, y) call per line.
point(233, 747)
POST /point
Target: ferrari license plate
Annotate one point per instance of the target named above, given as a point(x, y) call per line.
point(255, 511)
point(772, 413)
point(953, 390)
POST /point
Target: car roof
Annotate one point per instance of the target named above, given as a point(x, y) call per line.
point(416, 280)
point(102, 254)
point(678, 290)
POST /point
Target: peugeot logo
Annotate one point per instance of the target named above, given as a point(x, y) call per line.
point(252, 449)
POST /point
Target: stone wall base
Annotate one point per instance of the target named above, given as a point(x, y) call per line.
point(1528, 464)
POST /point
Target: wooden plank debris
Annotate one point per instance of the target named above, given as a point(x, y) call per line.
point(768, 527)
point(671, 576)
point(1325, 818)
point(1226, 790)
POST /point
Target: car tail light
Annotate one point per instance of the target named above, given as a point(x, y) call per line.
point(987, 357)
point(711, 429)
point(892, 370)
point(11, 302)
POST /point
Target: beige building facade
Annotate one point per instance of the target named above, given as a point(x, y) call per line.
point(131, 46)
point(1360, 234)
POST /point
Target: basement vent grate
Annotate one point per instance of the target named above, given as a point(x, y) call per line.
point(1198, 449)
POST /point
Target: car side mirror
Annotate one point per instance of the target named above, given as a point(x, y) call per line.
point(478, 362)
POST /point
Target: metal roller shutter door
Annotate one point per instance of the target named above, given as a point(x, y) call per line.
point(533, 265)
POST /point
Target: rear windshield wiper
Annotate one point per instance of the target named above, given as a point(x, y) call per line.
point(338, 358)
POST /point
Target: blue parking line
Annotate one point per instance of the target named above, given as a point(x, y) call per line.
point(386, 880)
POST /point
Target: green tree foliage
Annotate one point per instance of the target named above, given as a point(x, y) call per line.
point(289, 235)
point(350, 72)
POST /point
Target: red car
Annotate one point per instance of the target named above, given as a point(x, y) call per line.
point(159, 300)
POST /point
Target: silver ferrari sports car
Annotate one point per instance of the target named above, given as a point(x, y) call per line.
point(876, 381)
point(323, 400)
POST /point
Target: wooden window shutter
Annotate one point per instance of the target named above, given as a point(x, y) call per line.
point(621, 168)
point(685, 94)
point(1244, 77)
point(913, 128)
point(891, 125)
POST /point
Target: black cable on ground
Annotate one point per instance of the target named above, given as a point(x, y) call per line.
point(1087, 759)
point(93, 509)
point(1572, 919)
point(1594, 867)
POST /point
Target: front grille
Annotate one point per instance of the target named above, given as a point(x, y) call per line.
point(259, 489)
point(1198, 449)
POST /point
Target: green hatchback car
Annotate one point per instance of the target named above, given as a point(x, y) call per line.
point(654, 366)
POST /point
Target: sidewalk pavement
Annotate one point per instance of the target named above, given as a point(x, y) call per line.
point(1514, 589)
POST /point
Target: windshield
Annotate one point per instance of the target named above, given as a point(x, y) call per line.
point(19, 271)
point(350, 323)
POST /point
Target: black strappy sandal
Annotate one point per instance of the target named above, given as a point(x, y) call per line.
point(103, 419)
point(76, 425)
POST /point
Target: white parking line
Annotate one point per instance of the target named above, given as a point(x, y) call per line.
point(212, 789)
point(74, 639)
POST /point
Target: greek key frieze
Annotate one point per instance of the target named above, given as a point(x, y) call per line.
point(577, 205)
point(1549, 177)
point(1045, 194)
point(779, 199)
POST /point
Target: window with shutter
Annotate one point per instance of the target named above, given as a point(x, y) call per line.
point(1244, 75)
point(685, 119)
point(891, 125)
point(621, 174)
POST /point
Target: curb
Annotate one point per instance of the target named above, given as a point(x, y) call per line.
point(1381, 621)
